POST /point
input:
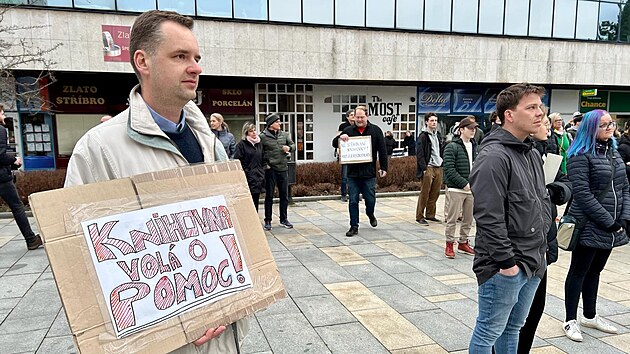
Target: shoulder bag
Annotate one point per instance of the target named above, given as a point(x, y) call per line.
point(569, 229)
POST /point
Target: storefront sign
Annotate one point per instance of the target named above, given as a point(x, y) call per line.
point(589, 102)
point(589, 93)
point(115, 43)
point(230, 101)
point(490, 100)
point(467, 101)
point(432, 99)
point(387, 112)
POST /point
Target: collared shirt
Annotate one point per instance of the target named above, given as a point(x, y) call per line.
point(167, 125)
point(436, 159)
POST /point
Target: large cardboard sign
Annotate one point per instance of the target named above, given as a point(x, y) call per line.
point(147, 264)
point(155, 263)
point(358, 149)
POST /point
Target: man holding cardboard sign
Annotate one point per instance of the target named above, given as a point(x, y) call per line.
point(161, 129)
point(360, 154)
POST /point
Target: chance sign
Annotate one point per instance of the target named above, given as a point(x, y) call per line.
point(358, 149)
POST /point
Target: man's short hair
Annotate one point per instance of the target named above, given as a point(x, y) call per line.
point(511, 96)
point(429, 115)
point(146, 32)
point(493, 116)
point(362, 108)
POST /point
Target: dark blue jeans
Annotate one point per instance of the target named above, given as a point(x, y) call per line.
point(9, 194)
point(344, 180)
point(366, 187)
point(275, 178)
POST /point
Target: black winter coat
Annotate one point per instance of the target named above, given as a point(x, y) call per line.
point(624, 151)
point(456, 164)
point(390, 143)
point(251, 157)
point(6, 160)
point(368, 169)
point(589, 174)
point(423, 152)
point(410, 144)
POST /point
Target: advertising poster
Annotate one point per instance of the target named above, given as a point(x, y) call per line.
point(434, 99)
point(115, 43)
point(467, 101)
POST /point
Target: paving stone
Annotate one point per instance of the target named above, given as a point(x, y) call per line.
point(623, 319)
point(401, 298)
point(429, 265)
point(275, 245)
point(350, 338)
point(255, 341)
point(323, 241)
point(16, 285)
point(300, 282)
point(3, 270)
point(291, 333)
point(60, 326)
point(15, 325)
point(589, 345)
point(444, 329)
point(425, 349)
point(9, 303)
point(41, 300)
point(324, 310)
point(11, 252)
point(283, 306)
point(391, 328)
point(4, 314)
point(423, 284)
point(27, 342)
point(370, 275)
point(328, 272)
point(391, 264)
point(32, 262)
point(368, 250)
point(55, 345)
point(464, 310)
point(310, 255)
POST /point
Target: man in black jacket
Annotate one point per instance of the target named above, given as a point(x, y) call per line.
point(8, 192)
point(512, 211)
point(362, 176)
point(429, 169)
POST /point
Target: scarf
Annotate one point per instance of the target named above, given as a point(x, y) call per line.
point(253, 141)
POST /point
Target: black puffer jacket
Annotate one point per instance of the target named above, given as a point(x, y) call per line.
point(590, 174)
point(368, 169)
point(251, 157)
point(6, 160)
point(624, 151)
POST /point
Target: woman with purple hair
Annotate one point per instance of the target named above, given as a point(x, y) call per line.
point(602, 201)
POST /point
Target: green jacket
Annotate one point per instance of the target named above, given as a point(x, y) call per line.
point(272, 149)
point(456, 165)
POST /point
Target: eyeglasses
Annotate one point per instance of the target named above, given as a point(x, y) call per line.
point(608, 125)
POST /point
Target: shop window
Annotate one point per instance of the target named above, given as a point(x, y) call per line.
point(437, 15)
point(95, 4)
point(318, 11)
point(184, 7)
point(250, 9)
point(540, 18)
point(490, 15)
point(380, 13)
point(214, 8)
point(516, 17)
point(71, 127)
point(285, 10)
point(586, 27)
point(608, 26)
point(350, 13)
point(465, 16)
point(564, 20)
point(135, 5)
point(409, 14)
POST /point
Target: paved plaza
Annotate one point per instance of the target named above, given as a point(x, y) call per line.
point(389, 289)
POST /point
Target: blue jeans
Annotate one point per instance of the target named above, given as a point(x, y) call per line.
point(366, 187)
point(344, 180)
point(504, 303)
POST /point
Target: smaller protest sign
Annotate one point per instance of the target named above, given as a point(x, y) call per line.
point(156, 263)
point(358, 149)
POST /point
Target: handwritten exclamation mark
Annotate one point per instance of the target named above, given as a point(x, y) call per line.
point(229, 241)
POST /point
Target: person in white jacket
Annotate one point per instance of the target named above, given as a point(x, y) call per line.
point(161, 129)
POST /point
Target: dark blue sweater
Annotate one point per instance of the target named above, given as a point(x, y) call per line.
point(187, 144)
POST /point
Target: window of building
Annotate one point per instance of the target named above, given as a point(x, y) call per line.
point(624, 27)
point(465, 16)
point(285, 10)
point(516, 19)
point(95, 4)
point(564, 18)
point(540, 18)
point(214, 8)
point(295, 102)
point(71, 127)
point(250, 9)
point(135, 5)
point(437, 15)
point(409, 14)
point(586, 26)
point(318, 11)
point(608, 26)
point(380, 13)
point(60, 3)
point(350, 13)
point(184, 7)
point(490, 15)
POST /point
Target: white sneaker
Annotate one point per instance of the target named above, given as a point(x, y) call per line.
point(572, 330)
point(598, 323)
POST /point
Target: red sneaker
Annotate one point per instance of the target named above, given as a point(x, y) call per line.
point(448, 252)
point(465, 248)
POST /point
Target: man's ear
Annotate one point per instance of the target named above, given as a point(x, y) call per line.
point(142, 61)
point(507, 115)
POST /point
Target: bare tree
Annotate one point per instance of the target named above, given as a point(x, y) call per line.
point(17, 52)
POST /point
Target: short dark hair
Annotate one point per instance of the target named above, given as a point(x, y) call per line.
point(146, 33)
point(1, 107)
point(511, 96)
point(429, 115)
point(349, 112)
